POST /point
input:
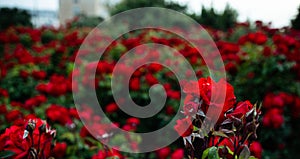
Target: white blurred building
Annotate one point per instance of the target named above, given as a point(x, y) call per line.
point(44, 18)
point(68, 9)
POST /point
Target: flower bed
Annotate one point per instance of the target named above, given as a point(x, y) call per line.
point(36, 68)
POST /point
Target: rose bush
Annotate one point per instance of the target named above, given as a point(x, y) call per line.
point(36, 68)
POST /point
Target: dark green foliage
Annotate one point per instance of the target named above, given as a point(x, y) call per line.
point(296, 22)
point(223, 21)
point(208, 17)
point(14, 17)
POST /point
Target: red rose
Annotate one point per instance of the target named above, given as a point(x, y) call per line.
point(73, 112)
point(104, 67)
point(178, 154)
point(111, 108)
point(32, 135)
point(174, 94)
point(59, 150)
point(35, 101)
point(241, 109)
point(267, 51)
point(260, 38)
point(288, 99)
point(256, 149)
point(13, 115)
point(84, 132)
point(273, 119)
point(3, 93)
point(215, 102)
point(150, 79)
point(273, 101)
point(133, 121)
point(39, 75)
point(163, 153)
point(100, 155)
point(134, 84)
point(30, 103)
point(228, 142)
point(58, 114)
point(184, 127)
point(154, 67)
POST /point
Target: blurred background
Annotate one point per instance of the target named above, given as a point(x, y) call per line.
point(57, 12)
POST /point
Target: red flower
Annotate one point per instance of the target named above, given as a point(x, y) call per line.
point(100, 155)
point(13, 115)
point(256, 149)
point(3, 93)
point(22, 139)
point(73, 112)
point(103, 154)
point(178, 154)
point(133, 121)
point(260, 38)
point(58, 114)
point(273, 101)
point(111, 108)
point(214, 101)
point(184, 127)
point(241, 109)
point(57, 86)
point(150, 79)
point(35, 101)
point(273, 118)
point(173, 94)
point(59, 150)
point(134, 84)
point(163, 153)
point(39, 75)
point(154, 67)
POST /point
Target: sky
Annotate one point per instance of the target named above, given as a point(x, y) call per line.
point(279, 12)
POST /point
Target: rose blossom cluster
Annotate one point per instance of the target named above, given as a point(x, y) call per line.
point(274, 105)
point(235, 129)
point(29, 138)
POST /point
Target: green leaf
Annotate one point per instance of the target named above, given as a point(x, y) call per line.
point(213, 153)
point(6, 154)
point(205, 153)
point(69, 136)
point(245, 154)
